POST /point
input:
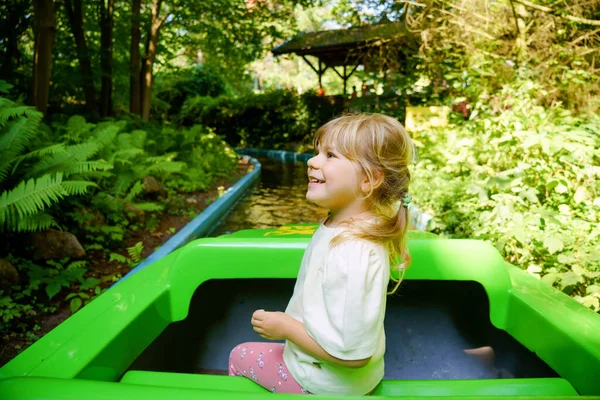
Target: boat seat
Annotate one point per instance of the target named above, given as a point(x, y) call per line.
point(475, 387)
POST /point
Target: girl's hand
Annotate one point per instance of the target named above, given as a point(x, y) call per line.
point(271, 325)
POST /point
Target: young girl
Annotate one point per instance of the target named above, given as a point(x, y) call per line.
point(333, 324)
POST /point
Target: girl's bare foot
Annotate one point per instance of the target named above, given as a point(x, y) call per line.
point(484, 354)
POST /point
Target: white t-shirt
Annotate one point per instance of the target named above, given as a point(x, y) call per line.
point(340, 296)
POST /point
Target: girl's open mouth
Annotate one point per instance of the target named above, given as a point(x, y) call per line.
point(314, 182)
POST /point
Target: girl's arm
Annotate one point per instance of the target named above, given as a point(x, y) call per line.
point(281, 326)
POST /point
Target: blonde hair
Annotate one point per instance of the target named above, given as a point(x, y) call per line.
point(382, 148)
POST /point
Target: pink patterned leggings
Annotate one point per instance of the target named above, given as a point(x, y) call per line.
point(263, 363)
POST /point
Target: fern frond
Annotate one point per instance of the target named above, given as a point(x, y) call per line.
point(29, 198)
point(77, 187)
point(138, 138)
point(54, 149)
point(33, 223)
point(124, 141)
point(81, 264)
point(161, 158)
point(119, 258)
point(126, 154)
point(168, 167)
point(135, 252)
point(14, 140)
point(149, 206)
point(85, 167)
point(10, 111)
point(106, 133)
point(77, 128)
point(4, 87)
point(124, 182)
point(19, 132)
point(135, 190)
point(97, 175)
point(61, 161)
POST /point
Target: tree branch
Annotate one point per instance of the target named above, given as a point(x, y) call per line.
point(586, 36)
point(472, 30)
point(548, 10)
point(162, 20)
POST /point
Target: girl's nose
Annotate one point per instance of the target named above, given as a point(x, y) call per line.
point(311, 162)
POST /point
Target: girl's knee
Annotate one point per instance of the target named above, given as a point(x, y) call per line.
point(239, 351)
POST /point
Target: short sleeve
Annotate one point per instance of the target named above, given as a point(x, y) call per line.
point(353, 289)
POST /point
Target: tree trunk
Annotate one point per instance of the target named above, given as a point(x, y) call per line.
point(146, 87)
point(134, 61)
point(143, 72)
point(44, 34)
point(520, 13)
point(106, 55)
point(85, 66)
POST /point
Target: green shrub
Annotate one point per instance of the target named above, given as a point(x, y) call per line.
point(523, 177)
point(174, 89)
point(269, 120)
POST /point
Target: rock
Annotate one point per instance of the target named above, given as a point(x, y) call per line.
point(53, 244)
point(151, 185)
point(9, 275)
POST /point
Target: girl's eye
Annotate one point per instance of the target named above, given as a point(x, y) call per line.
point(330, 155)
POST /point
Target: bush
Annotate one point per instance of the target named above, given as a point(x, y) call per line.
point(523, 177)
point(271, 120)
point(174, 89)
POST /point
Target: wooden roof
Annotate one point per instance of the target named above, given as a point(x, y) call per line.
point(347, 46)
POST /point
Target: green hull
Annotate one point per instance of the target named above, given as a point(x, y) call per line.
point(89, 355)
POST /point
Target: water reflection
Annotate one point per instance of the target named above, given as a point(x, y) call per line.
point(278, 199)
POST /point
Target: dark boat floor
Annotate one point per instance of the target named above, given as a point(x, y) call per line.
point(428, 325)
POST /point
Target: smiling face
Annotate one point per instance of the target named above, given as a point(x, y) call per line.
point(335, 182)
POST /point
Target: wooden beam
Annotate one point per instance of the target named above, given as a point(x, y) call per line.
point(311, 66)
point(336, 71)
point(351, 72)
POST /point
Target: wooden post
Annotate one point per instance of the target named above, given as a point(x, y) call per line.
point(320, 74)
point(345, 79)
point(320, 71)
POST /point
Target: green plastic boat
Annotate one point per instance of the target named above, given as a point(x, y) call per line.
point(160, 332)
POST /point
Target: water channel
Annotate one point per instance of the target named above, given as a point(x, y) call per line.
point(277, 199)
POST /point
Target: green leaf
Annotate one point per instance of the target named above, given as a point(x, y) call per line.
point(561, 188)
point(519, 233)
point(566, 258)
point(553, 244)
point(550, 278)
point(592, 289)
point(76, 304)
point(53, 289)
point(90, 283)
point(70, 296)
point(530, 194)
point(581, 195)
point(570, 279)
point(591, 302)
point(29, 198)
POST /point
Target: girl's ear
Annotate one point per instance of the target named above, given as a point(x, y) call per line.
point(368, 185)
